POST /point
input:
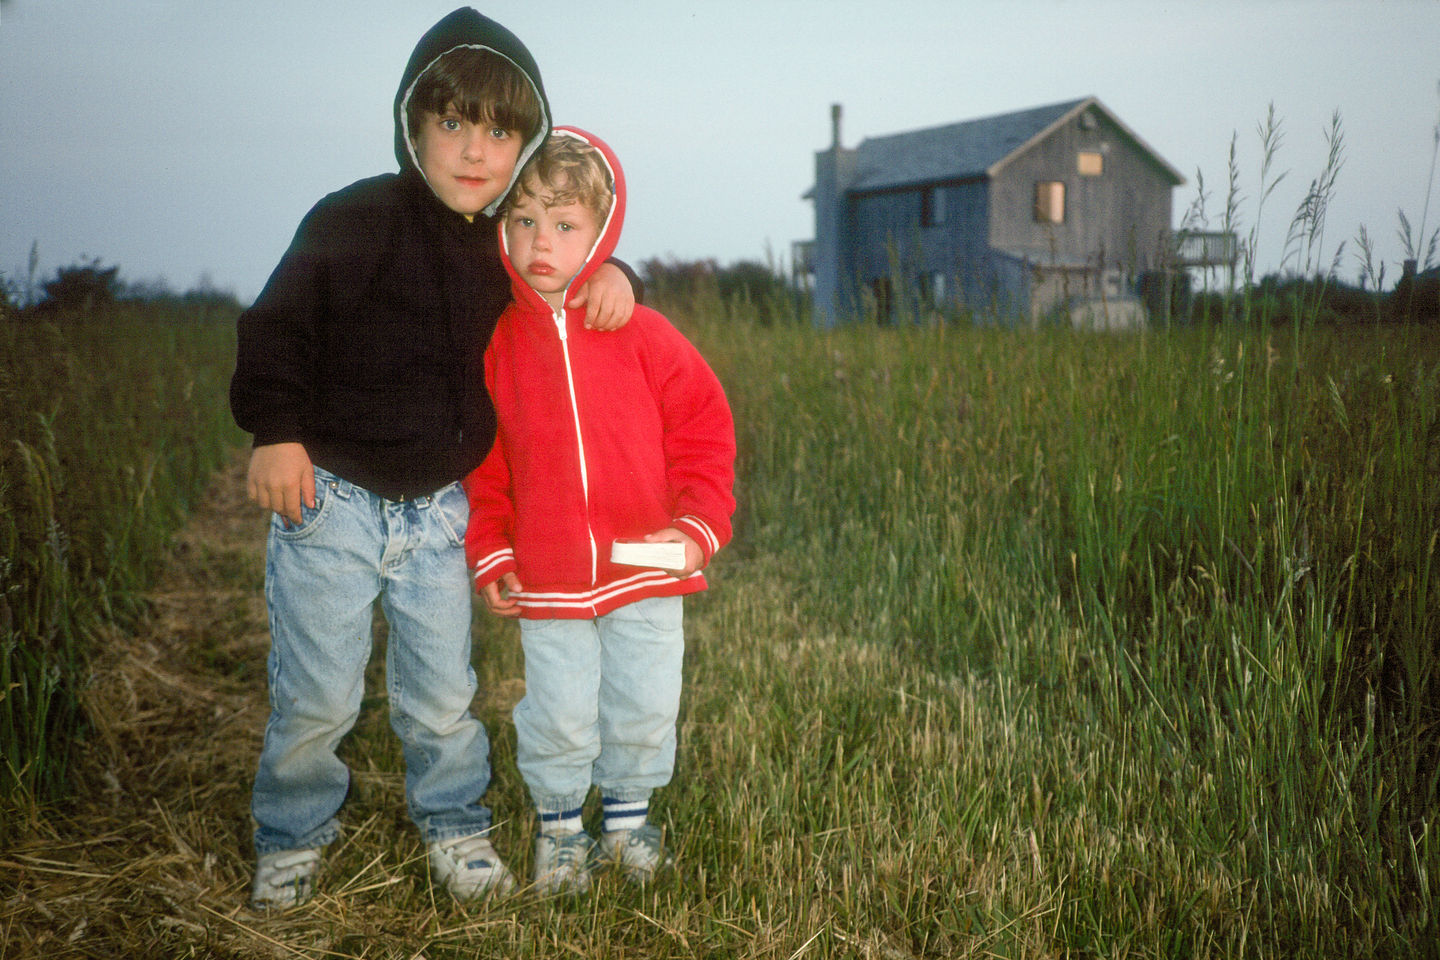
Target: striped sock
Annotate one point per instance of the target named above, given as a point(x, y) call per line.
point(625, 814)
point(561, 823)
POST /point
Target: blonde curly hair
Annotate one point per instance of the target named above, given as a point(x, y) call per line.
point(566, 170)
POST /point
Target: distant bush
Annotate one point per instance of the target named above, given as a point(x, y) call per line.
point(81, 286)
point(9, 297)
point(87, 288)
point(747, 287)
point(1417, 298)
point(1327, 300)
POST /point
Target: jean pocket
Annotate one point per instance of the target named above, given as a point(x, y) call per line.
point(452, 512)
point(311, 518)
point(662, 614)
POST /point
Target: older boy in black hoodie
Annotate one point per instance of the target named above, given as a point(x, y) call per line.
point(358, 374)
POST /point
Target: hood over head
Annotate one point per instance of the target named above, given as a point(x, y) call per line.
point(605, 243)
point(466, 27)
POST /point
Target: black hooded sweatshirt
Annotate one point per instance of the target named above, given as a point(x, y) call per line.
point(367, 343)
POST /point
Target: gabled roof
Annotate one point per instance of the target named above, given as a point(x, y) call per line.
point(971, 149)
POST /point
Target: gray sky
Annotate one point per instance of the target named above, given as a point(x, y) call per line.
point(177, 138)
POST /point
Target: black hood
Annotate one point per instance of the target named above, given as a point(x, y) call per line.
point(466, 27)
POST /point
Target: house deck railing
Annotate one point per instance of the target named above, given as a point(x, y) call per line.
point(1205, 248)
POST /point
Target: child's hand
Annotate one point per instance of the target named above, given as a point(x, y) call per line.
point(607, 298)
point(499, 596)
point(694, 556)
point(281, 478)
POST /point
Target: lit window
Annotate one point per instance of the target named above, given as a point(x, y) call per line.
point(1089, 163)
point(1050, 201)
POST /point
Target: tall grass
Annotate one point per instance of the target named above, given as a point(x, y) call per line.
point(112, 423)
point(1031, 644)
point(1198, 571)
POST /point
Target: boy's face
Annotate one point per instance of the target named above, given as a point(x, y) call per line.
point(468, 165)
point(548, 245)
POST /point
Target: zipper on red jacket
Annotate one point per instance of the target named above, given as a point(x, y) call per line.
point(559, 317)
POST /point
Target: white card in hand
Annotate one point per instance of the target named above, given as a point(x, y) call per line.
point(638, 553)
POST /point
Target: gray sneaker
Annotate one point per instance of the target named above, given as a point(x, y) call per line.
point(285, 878)
point(562, 863)
point(469, 867)
point(639, 854)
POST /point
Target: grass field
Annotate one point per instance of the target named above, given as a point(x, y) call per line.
point(111, 427)
point(1032, 643)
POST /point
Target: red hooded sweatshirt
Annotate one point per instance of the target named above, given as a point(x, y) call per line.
point(602, 436)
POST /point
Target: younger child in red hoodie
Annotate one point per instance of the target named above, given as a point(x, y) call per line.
point(603, 439)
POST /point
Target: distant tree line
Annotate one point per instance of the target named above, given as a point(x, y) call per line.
point(756, 290)
point(1415, 298)
point(759, 290)
point(88, 286)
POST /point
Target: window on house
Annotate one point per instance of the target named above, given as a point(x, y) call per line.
point(1050, 201)
point(932, 207)
point(1089, 163)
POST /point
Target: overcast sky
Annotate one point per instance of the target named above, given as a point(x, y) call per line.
point(180, 138)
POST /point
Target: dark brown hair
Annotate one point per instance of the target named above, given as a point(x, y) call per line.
point(481, 86)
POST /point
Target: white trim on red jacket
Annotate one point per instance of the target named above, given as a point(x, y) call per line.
point(601, 436)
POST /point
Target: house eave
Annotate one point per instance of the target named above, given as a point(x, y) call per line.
point(1177, 179)
point(947, 181)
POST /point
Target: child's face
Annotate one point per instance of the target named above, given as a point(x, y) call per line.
point(468, 165)
point(548, 245)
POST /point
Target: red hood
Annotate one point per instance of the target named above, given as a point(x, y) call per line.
point(605, 245)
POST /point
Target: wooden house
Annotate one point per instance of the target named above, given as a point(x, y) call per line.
point(1059, 207)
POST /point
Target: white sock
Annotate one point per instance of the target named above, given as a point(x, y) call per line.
point(561, 823)
point(625, 814)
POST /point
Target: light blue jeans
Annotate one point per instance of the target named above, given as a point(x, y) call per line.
point(321, 580)
point(601, 699)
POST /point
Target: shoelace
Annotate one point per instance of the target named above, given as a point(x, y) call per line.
point(645, 840)
point(290, 861)
point(474, 852)
point(291, 868)
point(570, 851)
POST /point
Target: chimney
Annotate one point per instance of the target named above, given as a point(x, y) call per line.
point(835, 126)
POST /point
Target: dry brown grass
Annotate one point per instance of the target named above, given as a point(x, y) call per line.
point(148, 858)
point(152, 856)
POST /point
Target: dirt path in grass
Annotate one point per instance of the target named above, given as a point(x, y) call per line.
point(151, 859)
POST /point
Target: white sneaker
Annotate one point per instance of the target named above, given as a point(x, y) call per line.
point(285, 878)
point(639, 854)
point(469, 867)
point(562, 863)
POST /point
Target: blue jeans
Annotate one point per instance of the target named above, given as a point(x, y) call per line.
point(321, 580)
point(601, 698)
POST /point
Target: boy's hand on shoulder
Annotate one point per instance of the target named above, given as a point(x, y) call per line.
point(607, 298)
point(499, 596)
point(281, 478)
point(694, 556)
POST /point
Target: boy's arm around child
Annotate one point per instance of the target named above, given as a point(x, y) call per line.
point(328, 280)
